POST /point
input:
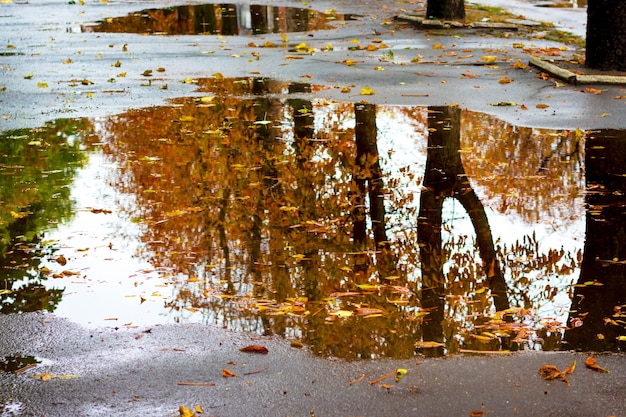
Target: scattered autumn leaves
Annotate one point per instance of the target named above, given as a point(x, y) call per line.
point(552, 372)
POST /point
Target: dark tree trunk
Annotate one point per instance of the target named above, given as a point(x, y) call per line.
point(606, 35)
point(446, 9)
point(596, 318)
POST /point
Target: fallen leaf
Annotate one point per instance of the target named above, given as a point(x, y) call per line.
point(542, 106)
point(591, 363)
point(185, 412)
point(593, 90)
point(400, 372)
point(488, 58)
point(198, 409)
point(505, 80)
point(367, 91)
point(476, 413)
point(255, 349)
point(227, 373)
point(296, 344)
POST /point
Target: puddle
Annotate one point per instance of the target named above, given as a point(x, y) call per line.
point(223, 19)
point(361, 231)
point(16, 364)
point(561, 4)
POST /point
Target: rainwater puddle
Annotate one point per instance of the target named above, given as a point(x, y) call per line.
point(223, 19)
point(17, 364)
point(361, 231)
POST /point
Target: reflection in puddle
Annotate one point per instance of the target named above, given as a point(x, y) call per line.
point(223, 19)
point(363, 231)
point(17, 364)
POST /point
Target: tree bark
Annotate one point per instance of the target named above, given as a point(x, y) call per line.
point(606, 35)
point(446, 9)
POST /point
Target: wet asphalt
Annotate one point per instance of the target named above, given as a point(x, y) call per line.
point(139, 371)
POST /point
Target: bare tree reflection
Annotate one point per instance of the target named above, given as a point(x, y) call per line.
point(445, 177)
point(599, 304)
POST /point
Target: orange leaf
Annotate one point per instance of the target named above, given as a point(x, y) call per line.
point(254, 349)
point(227, 373)
point(591, 363)
point(505, 80)
point(542, 106)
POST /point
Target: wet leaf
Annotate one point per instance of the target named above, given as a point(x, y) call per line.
point(593, 90)
point(550, 372)
point(227, 373)
point(186, 412)
point(542, 106)
point(254, 349)
point(488, 58)
point(400, 373)
point(505, 80)
point(147, 73)
point(591, 363)
point(47, 376)
point(368, 312)
point(342, 313)
point(29, 76)
point(428, 345)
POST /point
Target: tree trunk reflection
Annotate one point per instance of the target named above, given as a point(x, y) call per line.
point(445, 177)
point(598, 306)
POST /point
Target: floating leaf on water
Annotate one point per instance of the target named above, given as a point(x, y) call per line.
point(428, 345)
point(342, 313)
point(368, 287)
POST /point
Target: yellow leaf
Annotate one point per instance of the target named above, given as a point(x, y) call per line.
point(505, 80)
point(185, 412)
point(342, 313)
point(489, 58)
point(187, 119)
point(42, 85)
point(400, 373)
point(207, 99)
point(438, 46)
point(367, 91)
point(354, 41)
point(198, 409)
point(283, 36)
point(345, 89)
point(218, 76)
point(302, 47)
point(29, 76)
point(379, 68)
point(428, 344)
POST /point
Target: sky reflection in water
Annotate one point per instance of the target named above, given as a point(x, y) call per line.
point(357, 229)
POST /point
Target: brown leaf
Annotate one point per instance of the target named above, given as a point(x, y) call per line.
point(254, 349)
point(591, 363)
point(542, 106)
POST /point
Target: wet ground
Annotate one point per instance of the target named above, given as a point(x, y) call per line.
point(326, 176)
